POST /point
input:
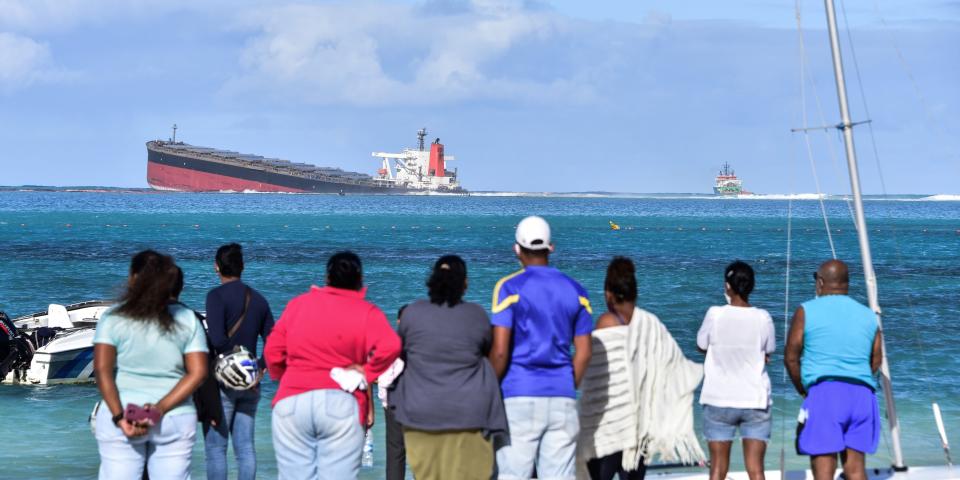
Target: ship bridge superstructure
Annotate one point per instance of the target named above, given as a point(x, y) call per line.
point(419, 168)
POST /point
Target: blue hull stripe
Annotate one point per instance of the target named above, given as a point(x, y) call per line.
point(74, 367)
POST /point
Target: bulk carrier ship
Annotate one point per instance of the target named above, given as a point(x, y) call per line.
point(177, 166)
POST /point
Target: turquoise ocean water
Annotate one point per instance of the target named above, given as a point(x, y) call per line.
point(70, 247)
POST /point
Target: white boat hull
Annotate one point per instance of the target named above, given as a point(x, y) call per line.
point(68, 357)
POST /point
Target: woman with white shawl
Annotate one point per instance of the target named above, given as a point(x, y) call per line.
point(636, 398)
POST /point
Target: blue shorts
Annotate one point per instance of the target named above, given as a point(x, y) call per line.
point(720, 423)
point(836, 416)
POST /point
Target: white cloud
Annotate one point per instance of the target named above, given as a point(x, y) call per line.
point(363, 52)
point(22, 61)
point(375, 53)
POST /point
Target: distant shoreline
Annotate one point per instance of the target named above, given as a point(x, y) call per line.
point(75, 189)
point(505, 194)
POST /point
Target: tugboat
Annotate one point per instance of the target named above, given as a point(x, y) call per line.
point(727, 182)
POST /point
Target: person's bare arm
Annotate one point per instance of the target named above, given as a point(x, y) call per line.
point(607, 320)
point(876, 356)
point(583, 349)
point(196, 366)
point(793, 350)
point(371, 412)
point(500, 350)
point(703, 334)
point(104, 363)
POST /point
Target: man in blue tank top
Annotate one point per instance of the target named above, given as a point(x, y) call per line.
point(537, 313)
point(832, 353)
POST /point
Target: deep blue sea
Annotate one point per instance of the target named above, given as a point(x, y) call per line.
point(58, 247)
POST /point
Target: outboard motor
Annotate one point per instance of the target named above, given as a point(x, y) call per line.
point(16, 348)
point(7, 329)
point(8, 347)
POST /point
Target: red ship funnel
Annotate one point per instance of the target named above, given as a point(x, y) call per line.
point(437, 166)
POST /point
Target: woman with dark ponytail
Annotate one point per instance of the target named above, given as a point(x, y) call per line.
point(149, 356)
point(738, 339)
point(448, 397)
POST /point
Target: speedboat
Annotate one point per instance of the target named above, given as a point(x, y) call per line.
point(56, 346)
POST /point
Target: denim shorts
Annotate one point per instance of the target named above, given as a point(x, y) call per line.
point(720, 423)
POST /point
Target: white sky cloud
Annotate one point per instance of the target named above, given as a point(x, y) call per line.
point(344, 52)
point(374, 53)
point(22, 61)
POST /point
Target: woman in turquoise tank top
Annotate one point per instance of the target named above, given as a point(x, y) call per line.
point(149, 356)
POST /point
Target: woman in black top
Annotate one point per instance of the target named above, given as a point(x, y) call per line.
point(448, 398)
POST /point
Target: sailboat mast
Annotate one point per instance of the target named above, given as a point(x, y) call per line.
point(861, 223)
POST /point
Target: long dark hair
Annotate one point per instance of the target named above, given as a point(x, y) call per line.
point(153, 278)
point(621, 280)
point(448, 281)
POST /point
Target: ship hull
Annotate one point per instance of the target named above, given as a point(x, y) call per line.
point(727, 191)
point(183, 173)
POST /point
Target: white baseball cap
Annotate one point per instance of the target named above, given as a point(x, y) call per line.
point(533, 233)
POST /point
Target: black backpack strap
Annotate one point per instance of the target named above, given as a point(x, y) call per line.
point(243, 315)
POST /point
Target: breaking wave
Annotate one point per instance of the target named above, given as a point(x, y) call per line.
point(943, 197)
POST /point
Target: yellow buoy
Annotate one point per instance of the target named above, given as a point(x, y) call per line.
point(614, 226)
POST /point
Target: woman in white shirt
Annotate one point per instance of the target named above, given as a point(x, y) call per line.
point(738, 339)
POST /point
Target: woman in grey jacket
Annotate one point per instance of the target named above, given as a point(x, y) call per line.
point(448, 397)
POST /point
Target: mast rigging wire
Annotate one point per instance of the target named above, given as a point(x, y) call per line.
point(831, 145)
point(806, 136)
point(876, 153)
point(927, 111)
point(917, 338)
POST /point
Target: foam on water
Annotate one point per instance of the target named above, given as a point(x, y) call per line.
point(941, 198)
point(793, 196)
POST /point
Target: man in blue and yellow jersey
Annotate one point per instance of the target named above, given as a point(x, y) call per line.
point(537, 313)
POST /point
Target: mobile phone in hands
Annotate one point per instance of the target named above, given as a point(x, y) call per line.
point(137, 414)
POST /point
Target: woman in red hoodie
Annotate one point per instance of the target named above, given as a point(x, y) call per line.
point(318, 427)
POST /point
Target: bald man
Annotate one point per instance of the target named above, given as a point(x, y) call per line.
point(832, 353)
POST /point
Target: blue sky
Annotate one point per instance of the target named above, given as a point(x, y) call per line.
point(564, 95)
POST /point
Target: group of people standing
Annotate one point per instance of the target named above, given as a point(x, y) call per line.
point(472, 396)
